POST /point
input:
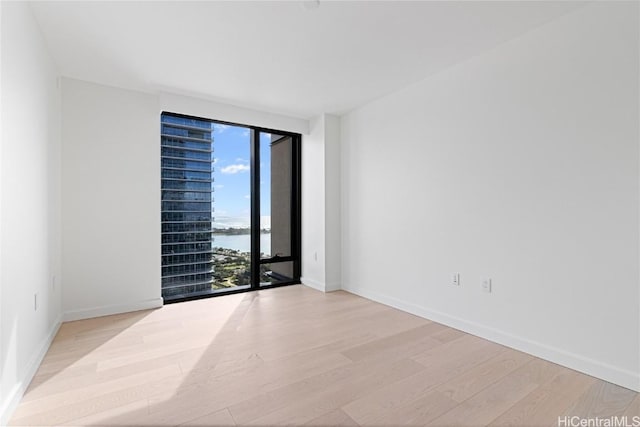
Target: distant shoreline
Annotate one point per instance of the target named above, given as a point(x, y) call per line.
point(237, 231)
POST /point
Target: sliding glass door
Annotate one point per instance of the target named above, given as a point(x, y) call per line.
point(230, 207)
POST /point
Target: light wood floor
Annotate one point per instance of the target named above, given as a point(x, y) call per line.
point(297, 356)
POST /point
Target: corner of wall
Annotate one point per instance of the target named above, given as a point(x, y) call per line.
point(314, 284)
point(30, 205)
point(333, 209)
point(12, 399)
point(313, 205)
point(332, 287)
point(321, 197)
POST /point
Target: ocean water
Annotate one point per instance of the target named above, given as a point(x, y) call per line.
point(242, 242)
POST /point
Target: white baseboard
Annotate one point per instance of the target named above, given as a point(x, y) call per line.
point(107, 310)
point(312, 284)
point(322, 287)
point(15, 395)
point(613, 374)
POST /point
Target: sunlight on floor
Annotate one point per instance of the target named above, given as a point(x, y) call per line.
point(133, 345)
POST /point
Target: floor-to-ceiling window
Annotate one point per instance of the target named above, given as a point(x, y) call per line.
point(230, 207)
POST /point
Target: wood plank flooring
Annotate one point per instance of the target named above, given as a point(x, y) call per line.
point(299, 357)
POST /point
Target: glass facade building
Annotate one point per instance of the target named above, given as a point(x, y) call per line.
point(187, 206)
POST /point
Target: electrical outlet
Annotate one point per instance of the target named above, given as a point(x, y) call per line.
point(486, 284)
point(315, 256)
point(455, 279)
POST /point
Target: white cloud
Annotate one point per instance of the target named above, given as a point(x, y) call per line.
point(240, 159)
point(231, 169)
point(219, 127)
point(232, 221)
point(242, 221)
point(247, 196)
point(245, 132)
point(218, 186)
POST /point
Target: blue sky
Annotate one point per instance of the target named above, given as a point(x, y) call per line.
point(232, 185)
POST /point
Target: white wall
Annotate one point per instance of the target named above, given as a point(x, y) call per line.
point(30, 204)
point(520, 164)
point(4, 409)
point(111, 200)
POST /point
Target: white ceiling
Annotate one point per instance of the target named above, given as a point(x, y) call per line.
point(278, 56)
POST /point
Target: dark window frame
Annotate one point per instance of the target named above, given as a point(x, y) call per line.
point(295, 214)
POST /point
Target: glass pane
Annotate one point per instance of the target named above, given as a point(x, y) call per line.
point(185, 143)
point(190, 165)
point(183, 185)
point(187, 153)
point(275, 194)
point(180, 227)
point(277, 272)
point(177, 174)
point(195, 196)
point(232, 224)
point(200, 158)
point(187, 217)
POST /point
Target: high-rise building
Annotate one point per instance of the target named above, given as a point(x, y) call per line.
point(187, 206)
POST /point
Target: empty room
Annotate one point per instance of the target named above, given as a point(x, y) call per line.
point(316, 212)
